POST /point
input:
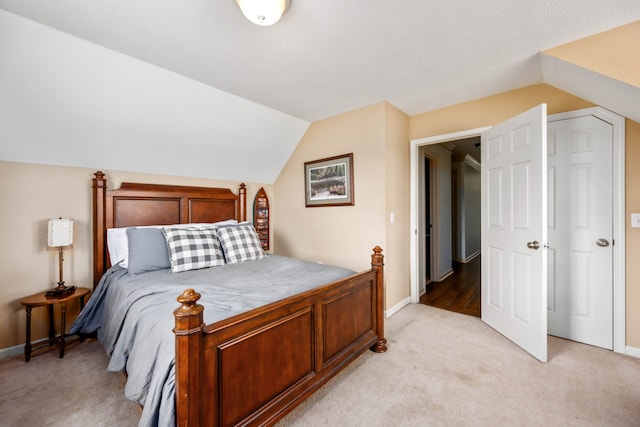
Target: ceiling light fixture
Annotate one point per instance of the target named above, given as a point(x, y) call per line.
point(263, 12)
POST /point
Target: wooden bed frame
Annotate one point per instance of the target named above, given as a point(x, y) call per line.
point(253, 368)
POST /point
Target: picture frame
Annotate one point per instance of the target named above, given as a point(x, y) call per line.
point(329, 181)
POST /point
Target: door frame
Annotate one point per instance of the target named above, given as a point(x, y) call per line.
point(618, 124)
point(416, 223)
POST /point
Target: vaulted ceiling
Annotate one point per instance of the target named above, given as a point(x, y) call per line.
point(323, 58)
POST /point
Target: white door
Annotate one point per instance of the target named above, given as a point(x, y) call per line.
point(580, 221)
point(514, 228)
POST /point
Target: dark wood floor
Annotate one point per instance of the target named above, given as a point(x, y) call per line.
point(459, 292)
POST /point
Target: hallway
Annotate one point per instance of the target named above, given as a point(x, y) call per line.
point(459, 292)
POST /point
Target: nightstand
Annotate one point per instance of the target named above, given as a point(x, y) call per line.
point(42, 300)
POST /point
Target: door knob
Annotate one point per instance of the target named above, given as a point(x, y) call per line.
point(602, 242)
point(533, 245)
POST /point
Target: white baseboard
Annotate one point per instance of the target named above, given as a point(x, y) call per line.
point(472, 256)
point(11, 351)
point(469, 258)
point(632, 351)
point(396, 308)
point(445, 275)
point(17, 349)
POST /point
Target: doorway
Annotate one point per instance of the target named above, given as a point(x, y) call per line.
point(451, 209)
point(618, 210)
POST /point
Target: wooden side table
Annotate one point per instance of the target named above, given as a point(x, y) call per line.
point(41, 300)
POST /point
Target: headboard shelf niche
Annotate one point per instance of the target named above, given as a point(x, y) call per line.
point(136, 204)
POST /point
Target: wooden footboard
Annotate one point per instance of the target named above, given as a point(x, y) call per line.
point(256, 367)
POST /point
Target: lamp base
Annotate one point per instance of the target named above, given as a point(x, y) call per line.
point(60, 291)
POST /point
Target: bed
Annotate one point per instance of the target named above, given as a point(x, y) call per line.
point(256, 365)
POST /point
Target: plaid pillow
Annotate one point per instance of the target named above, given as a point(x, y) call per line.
point(240, 243)
point(192, 249)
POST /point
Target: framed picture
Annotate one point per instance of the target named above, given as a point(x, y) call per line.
point(329, 182)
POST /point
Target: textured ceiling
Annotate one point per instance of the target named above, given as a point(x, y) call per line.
point(330, 56)
point(192, 88)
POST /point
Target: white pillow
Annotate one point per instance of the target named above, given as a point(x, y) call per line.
point(118, 246)
point(118, 243)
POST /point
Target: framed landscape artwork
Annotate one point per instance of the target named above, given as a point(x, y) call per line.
point(329, 182)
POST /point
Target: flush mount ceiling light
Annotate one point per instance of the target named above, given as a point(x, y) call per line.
point(263, 12)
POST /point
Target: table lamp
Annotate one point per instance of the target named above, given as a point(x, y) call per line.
point(60, 237)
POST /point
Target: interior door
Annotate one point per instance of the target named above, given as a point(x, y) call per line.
point(514, 230)
point(580, 220)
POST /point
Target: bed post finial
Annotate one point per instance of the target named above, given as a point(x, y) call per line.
point(243, 202)
point(189, 348)
point(377, 263)
point(188, 299)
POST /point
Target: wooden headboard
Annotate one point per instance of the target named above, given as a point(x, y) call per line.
point(151, 204)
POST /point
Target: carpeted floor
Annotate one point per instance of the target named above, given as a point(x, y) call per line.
point(448, 369)
point(75, 391)
point(441, 369)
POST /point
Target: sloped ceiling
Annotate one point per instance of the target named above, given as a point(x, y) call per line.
point(604, 68)
point(613, 94)
point(197, 77)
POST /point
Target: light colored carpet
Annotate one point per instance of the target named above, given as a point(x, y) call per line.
point(448, 369)
point(441, 369)
point(76, 391)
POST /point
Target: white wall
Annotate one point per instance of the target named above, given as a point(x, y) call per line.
point(441, 220)
point(457, 214)
point(472, 208)
point(466, 218)
point(69, 102)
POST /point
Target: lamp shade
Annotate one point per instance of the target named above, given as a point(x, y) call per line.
point(60, 232)
point(263, 12)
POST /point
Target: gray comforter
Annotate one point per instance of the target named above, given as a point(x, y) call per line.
point(133, 316)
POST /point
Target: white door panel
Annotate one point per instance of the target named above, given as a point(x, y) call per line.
point(580, 294)
point(514, 228)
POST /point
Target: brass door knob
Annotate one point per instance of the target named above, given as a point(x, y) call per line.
point(533, 245)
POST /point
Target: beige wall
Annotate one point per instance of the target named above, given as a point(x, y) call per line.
point(30, 195)
point(632, 204)
point(312, 233)
point(338, 235)
point(378, 136)
point(492, 110)
point(345, 235)
point(397, 158)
